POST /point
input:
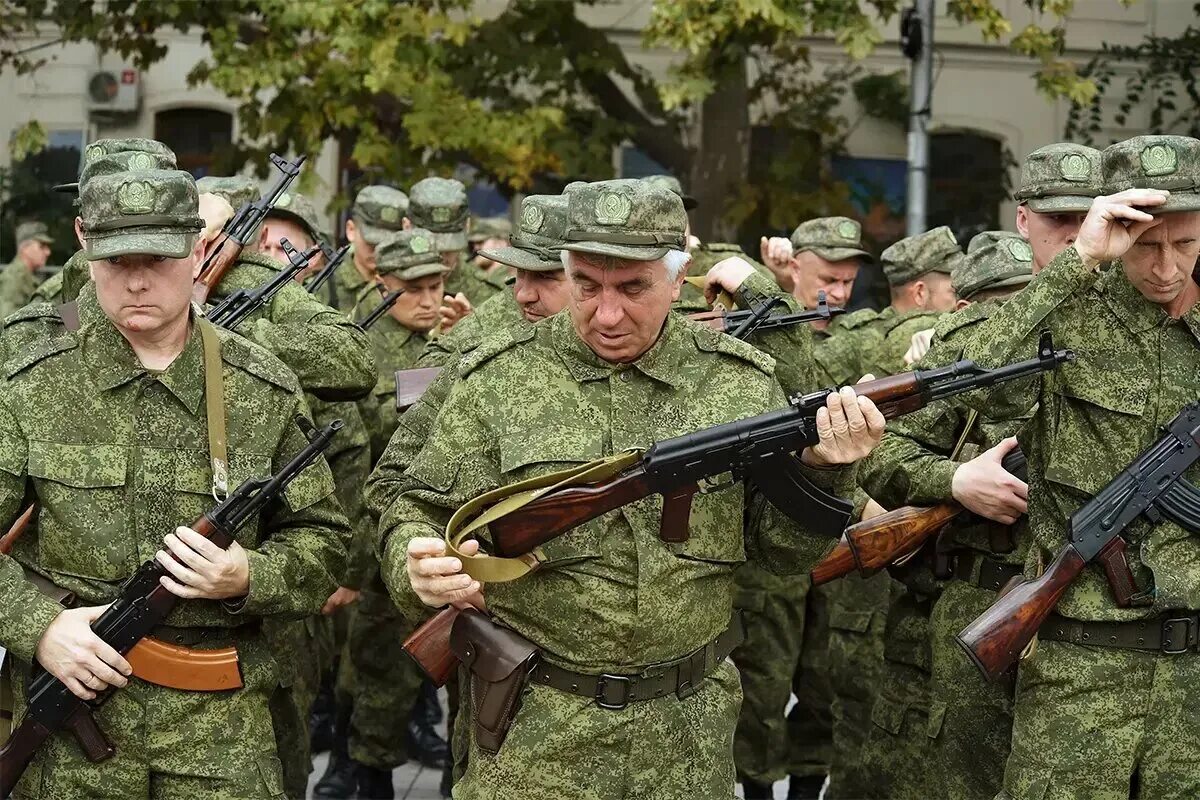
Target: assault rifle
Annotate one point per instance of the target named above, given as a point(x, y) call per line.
point(741, 324)
point(389, 300)
point(234, 309)
point(758, 449)
point(333, 260)
point(240, 227)
point(1151, 487)
point(142, 605)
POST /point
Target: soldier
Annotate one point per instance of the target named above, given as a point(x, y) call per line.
point(18, 281)
point(439, 205)
point(1129, 689)
point(488, 233)
point(377, 212)
point(293, 217)
point(637, 602)
point(138, 365)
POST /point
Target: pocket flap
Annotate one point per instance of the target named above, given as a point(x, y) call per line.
point(1114, 389)
point(846, 620)
point(549, 445)
point(82, 466)
point(487, 649)
point(889, 715)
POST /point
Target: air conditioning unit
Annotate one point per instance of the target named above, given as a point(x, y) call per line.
point(114, 90)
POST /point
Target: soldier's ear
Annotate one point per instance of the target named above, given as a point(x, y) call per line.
point(79, 230)
point(1023, 220)
point(406, 224)
point(350, 228)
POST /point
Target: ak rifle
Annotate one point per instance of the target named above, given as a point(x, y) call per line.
point(234, 309)
point(333, 260)
point(388, 301)
point(741, 324)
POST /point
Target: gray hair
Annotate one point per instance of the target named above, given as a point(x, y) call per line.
point(675, 261)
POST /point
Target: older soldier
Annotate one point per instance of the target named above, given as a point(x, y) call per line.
point(377, 212)
point(439, 205)
point(1135, 328)
point(628, 371)
point(18, 281)
point(138, 364)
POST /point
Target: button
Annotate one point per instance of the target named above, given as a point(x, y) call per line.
point(625, 375)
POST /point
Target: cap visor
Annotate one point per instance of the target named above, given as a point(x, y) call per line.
point(689, 202)
point(1178, 202)
point(171, 244)
point(283, 213)
point(66, 188)
point(625, 251)
point(371, 233)
point(446, 242)
point(1016, 280)
point(44, 239)
point(841, 253)
point(521, 259)
point(1058, 204)
point(412, 273)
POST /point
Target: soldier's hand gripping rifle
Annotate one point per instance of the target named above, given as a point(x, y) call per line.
point(1151, 487)
point(142, 605)
point(388, 301)
point(333, 260)
point(741, 324)
point(241, 226)
point(231, 311)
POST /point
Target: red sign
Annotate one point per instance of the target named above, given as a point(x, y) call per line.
point(128, 76)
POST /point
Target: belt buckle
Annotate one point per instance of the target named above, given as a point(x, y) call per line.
point(1168, 635)
point(601, 696)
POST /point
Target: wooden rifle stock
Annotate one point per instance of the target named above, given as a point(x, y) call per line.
point(8, 540)
point(874, 544)
point(225, 255)
point(429, 646)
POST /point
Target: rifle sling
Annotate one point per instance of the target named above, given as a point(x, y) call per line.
point(491, 506)
point(214, 404)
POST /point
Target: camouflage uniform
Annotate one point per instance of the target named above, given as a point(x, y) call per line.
point(561, 745)
point(103, 514)
point(377, 212)
point(17, 281)
point(439, 205)
point(1088, 718)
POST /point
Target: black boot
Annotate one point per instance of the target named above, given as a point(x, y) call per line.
point(428, 706)
point(320, 720)
point(374, 784)
point(338, 782)
point(425, 745)
point(447, 780)
point(753, 790)
point(806, 788)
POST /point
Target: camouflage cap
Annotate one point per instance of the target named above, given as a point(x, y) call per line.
point(378, 211)
point(484, 228)
point(831, 238)
point(910, 258)
point(626, 218)
point(298, 209)
point(534, 245)
point(33, 230)
point(163, 157)
point(994, 260)
point(147, 212)
point(671, 183)
point(408, 255)
point(236, 189)
point(440, 205)
point(1062, 177)
point(1156, 162)
point(126, 161)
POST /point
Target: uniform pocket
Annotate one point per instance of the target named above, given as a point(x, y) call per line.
point(1094, 405)
point(844, 619)
point(716, 524)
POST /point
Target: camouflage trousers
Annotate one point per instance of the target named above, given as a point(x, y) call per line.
point(857, 617)
point(969, 753)
point(785, 650)
point(169, 744)
point(304, 645)
point(381, 680)
point(564, 746)
point(1095, 723)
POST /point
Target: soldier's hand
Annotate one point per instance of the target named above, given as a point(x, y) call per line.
point(726, 275)
point(849, 427)
point(438, 579)
point(919, 347)
point(340, 599)
point(215, 211)
point(1114, 223)
point(984, 486)
point(72, 652)
point(872, 510)
point(200, 569)
point(453, 309)
point(775, 252)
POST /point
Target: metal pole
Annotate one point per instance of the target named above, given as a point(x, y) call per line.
point(920, 109)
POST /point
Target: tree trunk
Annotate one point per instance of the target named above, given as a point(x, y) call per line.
point(720, 162)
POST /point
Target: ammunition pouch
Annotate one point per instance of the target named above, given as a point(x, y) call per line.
point(500, 661)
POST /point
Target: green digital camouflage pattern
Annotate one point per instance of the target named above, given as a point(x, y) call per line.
point(705, 257)
point(349, 458)
point(17, 285)
point(51, 289)
point(104, 506)
point(473, 283)
point(440, 205)
point(1060, 177)
point(32, 230)
point(329, 354)
point(672, 184)
point(543, 224)
point(645, 601)
point(379, 210)
point(1094, 416)
point(841, 352)
point(627, 218)
point(300, 210)
point(831, 238)
point(343, 289)
point(908, 259)
point(237, 190)
point(497, 313)
point(408, 255)
point(888, 355)
point(483, 228)
point(147, 212)
point(1155, 162)
point(994, 260)
point(395, 347)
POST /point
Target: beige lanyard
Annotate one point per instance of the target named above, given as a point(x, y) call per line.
point(214, 404)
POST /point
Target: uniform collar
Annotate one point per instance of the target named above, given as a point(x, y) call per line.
point(1129, 305)
point(113, 363)
point(660, 362)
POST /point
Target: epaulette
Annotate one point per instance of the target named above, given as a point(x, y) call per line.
point(39, 349)
point(43, 310)
point(721, 247)
point(711, 341)
point(256, 360)
point(260, 260)
point(493, 344)
point(966, 317)
point(932, 317)
point(855, 319)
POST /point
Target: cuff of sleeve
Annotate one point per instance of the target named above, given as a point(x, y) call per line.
point(37, 612)
point(393, 567)
point(268, 590)
point(757, 288)
point(840, 480)
point(939, 478)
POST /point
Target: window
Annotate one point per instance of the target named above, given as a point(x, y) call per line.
point(968, 180)
point(200, 137)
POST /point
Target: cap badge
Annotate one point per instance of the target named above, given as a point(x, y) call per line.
point(136, 197)
point(418, 244)
point(440, 214)
point(1019, 249)
point(389, 214)
point(141, 161)
point(532, 218)
point(284, 200)
point(848, 230)
point(1159, 159)
point(92, 152)
point(1074, 167)
point(613, 209)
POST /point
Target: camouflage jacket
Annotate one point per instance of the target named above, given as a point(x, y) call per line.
point(704, 258)
point(498, 312)
point(540, 401)
point(396, 347)
point(473, 282)
point(888, 356)
point(17, 285)
point(130, 462)
point(349, 458)
point(1135, 368)
point(791, 347)
point(843, 350)
point(341, 291)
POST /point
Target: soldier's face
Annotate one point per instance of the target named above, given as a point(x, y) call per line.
point(35, 253)
point(417, 308)
point(618, 308)
point(541, 294)
point(1160, 263)
point(812, 274)
point(364, 252)
point(1047, 234)
point(144, 294)
point(276, 230)
point(450, 258)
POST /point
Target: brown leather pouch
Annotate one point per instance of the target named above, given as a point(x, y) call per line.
point(500, 662)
